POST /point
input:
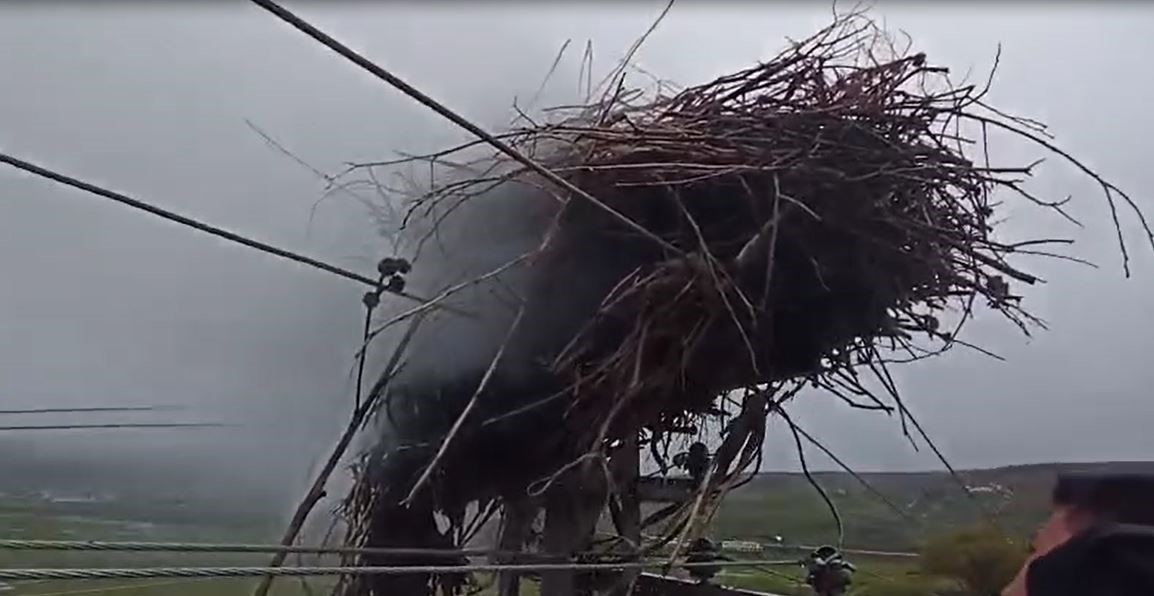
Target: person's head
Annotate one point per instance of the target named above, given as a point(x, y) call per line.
point(1081, 502)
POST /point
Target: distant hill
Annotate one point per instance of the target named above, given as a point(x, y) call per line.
point(137, 487)
point(786, 505)
point(770, 505)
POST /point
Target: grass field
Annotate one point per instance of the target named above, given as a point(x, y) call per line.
point(39, 522)
point(877, 576)
point(36, 521)
point(772, 505)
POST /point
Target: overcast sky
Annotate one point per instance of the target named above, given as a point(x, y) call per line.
point(103, 305)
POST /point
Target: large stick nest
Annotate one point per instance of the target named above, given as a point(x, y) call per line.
point(772, 224)
point(786, 224)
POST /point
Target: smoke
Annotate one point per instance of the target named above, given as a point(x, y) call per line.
point(106, 307)
point(482, 235)
point(452, 247)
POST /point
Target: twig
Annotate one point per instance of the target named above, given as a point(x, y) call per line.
point(858, 477)
point(464, 415)
point(616, 76)
point(440, 298)
point(809, 476)
point(371, 299)
point(316, 491)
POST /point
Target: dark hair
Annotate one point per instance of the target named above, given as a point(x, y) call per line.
point(1120, 498)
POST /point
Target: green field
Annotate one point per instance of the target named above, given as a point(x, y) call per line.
point(773, 505)
point(930, 503)
point(23, 520)
point(18, 520)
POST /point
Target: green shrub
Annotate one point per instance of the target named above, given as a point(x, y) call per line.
point(981, 560)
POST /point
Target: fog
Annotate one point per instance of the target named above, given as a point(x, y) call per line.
point(102, 305)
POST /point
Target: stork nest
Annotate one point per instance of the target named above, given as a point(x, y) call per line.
point(795, 222)
point(778, 223)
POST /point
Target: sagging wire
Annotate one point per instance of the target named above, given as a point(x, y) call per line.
point(123, 199)
point(809, 476)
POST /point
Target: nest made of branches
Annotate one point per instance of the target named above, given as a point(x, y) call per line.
point(772, 224)
point(814, 215)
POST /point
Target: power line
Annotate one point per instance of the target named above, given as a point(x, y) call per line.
point(192, 223)
point(321, 37)
point(203, 547)
point(809, 476)
point(317, 491)
point(159, 572)
point(848, 551)
point(849, 470)
point(112, 426)
point(208, 547)
point(90, 409)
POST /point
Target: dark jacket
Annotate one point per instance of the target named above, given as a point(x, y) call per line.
point(1108, 560)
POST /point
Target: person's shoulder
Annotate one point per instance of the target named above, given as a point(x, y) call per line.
point(1105, 560)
